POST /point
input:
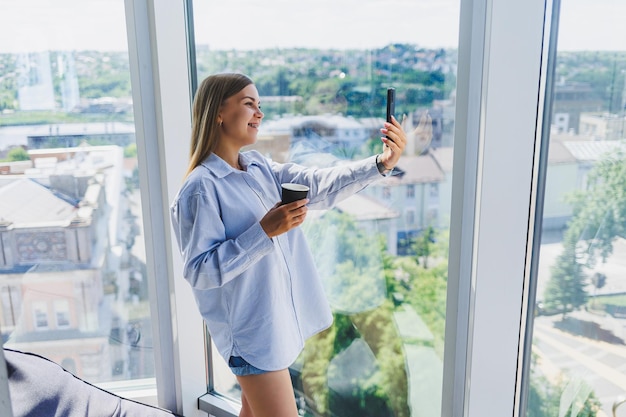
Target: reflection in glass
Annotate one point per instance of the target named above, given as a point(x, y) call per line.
point(580, 318)
point(381, 254)
point(72, 263)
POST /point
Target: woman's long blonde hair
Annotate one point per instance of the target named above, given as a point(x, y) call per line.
point(211, 94)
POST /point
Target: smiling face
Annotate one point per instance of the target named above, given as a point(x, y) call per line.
point(240, 118)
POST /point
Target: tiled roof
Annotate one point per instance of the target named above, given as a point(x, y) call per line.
point(416, 170)
point(444, 157)
point(24, 201)
point(593, 150)
point(363, 207)
point(558, 153)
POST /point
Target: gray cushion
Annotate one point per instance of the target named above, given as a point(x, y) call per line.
point(41, 388)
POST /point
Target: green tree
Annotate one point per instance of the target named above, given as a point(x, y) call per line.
point(327, 98)
point(600, 211)
point(130, 151)
point(565, 290)
point(424, 246)
point(599, 217)
point(545, 399)
point(17, 154)
point(425, 291)
point(548, 398)
point(353, 265)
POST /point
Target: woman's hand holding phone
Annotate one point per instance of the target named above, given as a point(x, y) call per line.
point(395, 139)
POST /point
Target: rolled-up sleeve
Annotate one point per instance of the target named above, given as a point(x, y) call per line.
point(330, 185)
point(210, 259)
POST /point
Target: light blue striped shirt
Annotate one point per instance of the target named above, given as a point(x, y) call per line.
point(261, 298)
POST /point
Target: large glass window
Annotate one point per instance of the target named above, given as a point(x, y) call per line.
point(322, 70)
point(579, 331)
point(73, 282)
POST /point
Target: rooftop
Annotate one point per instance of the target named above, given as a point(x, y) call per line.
point(26, 201)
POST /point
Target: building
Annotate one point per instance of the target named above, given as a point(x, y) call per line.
point(59, 269)
point(572, 99)
point(563, 180)
point(35, 90)
point(70, 93)
point(66, 135)
point(413, 191)
point(603, 126)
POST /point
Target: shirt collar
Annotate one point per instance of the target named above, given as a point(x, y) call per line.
point(220, 168)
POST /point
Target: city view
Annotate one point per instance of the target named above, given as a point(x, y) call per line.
point(73, 276)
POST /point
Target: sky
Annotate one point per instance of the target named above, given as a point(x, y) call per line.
point(252, 24)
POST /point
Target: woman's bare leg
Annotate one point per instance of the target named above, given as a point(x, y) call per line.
point(245, 407)
point(268, 395)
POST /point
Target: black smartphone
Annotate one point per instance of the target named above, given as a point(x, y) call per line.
point(391, 103)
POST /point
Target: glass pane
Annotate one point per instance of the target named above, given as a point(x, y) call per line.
point(578, 350)
point(72, 261)
point(322, 71)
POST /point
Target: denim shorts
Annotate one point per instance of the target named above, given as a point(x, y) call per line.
point(240, 367)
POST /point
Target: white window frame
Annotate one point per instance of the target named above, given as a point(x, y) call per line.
point(5, 400)
point(496, 138)
point(40, 307)
point(11, 299)
point(410, 191)
point(62, 310)
point(159, 65)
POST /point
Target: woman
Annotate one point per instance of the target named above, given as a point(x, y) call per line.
point(246, 259)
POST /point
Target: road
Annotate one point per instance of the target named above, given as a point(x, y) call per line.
point(601, 365)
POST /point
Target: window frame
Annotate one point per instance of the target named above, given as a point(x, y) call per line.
point(62, 313)
point(410, 192)
point(39, 310)
point(545, 112)
point(495, 138)
point(161, 85)
point(5, 400)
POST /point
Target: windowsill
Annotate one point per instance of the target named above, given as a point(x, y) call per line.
point(218, 406)
point(141, 390)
